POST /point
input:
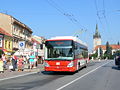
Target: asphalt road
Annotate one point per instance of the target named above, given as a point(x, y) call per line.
point(103, 75)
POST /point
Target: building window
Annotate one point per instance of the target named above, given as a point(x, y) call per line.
point(9, 45)
point(0, 42)
point(5, 43)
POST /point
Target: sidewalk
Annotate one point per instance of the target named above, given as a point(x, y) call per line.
point(12, 74)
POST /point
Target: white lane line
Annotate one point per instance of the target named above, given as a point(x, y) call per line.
point(81, 76)
point(18, 76)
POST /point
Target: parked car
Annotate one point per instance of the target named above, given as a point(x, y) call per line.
point(117, 60)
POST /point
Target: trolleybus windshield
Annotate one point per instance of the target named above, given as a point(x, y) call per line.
point(62, 50)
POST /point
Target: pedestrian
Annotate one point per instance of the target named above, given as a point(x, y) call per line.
point(35, 62)
point(20, 63)
point(1, 65)
point(4, 61)
point(14, 62)
point(25, 59)
point(31, 60)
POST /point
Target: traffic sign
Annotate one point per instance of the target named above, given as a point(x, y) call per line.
point(21, 44)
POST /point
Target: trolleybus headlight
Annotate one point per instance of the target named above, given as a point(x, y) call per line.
point(46, 64)
point(70, 64)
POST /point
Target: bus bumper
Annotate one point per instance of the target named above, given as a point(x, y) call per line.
point(60, 69)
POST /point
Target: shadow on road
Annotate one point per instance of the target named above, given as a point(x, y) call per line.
point(66, 73)
point(57, 73)
point(116, 68)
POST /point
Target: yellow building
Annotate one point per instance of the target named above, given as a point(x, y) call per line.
point(6, 42)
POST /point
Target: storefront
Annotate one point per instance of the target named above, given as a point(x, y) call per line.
point(1, 44)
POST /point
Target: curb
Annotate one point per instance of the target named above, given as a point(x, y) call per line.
point(18, 76)
point(33, 71)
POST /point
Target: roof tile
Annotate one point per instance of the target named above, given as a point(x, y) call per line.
point(4, 32)
point(104, 47)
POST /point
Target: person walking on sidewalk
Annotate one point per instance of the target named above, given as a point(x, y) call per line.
point(1, 65)
point(14, 62)
point(4, 61)
point(20, 63)
point(35, 62)
point(31, 60)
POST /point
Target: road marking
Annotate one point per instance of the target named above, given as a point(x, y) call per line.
point(18, 76)
point(19, 88)
point(81, 76)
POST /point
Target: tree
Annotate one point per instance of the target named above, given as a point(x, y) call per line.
point(94, 56)
point(108, 53)
point(101, 52)
point(118, 43)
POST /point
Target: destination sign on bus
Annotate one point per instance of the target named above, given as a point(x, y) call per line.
point(60, 43)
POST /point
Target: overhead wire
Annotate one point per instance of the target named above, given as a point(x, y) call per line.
point(107, 25)
point(68, 15)
point(71, 17)
point(104, 12)
point(95, 1)
point(101, 14)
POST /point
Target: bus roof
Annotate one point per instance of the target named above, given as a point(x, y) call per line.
point(67, 38)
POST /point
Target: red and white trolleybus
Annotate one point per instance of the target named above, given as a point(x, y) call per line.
point(65, 53)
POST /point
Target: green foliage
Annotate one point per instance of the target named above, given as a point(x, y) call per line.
point(94, 55)
point(101, 52)
point(108, 53)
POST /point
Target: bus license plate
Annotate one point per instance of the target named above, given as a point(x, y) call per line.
point(57, 63)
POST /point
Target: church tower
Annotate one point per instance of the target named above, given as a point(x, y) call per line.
point(96, 38)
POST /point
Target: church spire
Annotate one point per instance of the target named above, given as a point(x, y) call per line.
point(96, 28)
point(97, 34)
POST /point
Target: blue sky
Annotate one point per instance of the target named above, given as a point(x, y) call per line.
point(49, 18)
